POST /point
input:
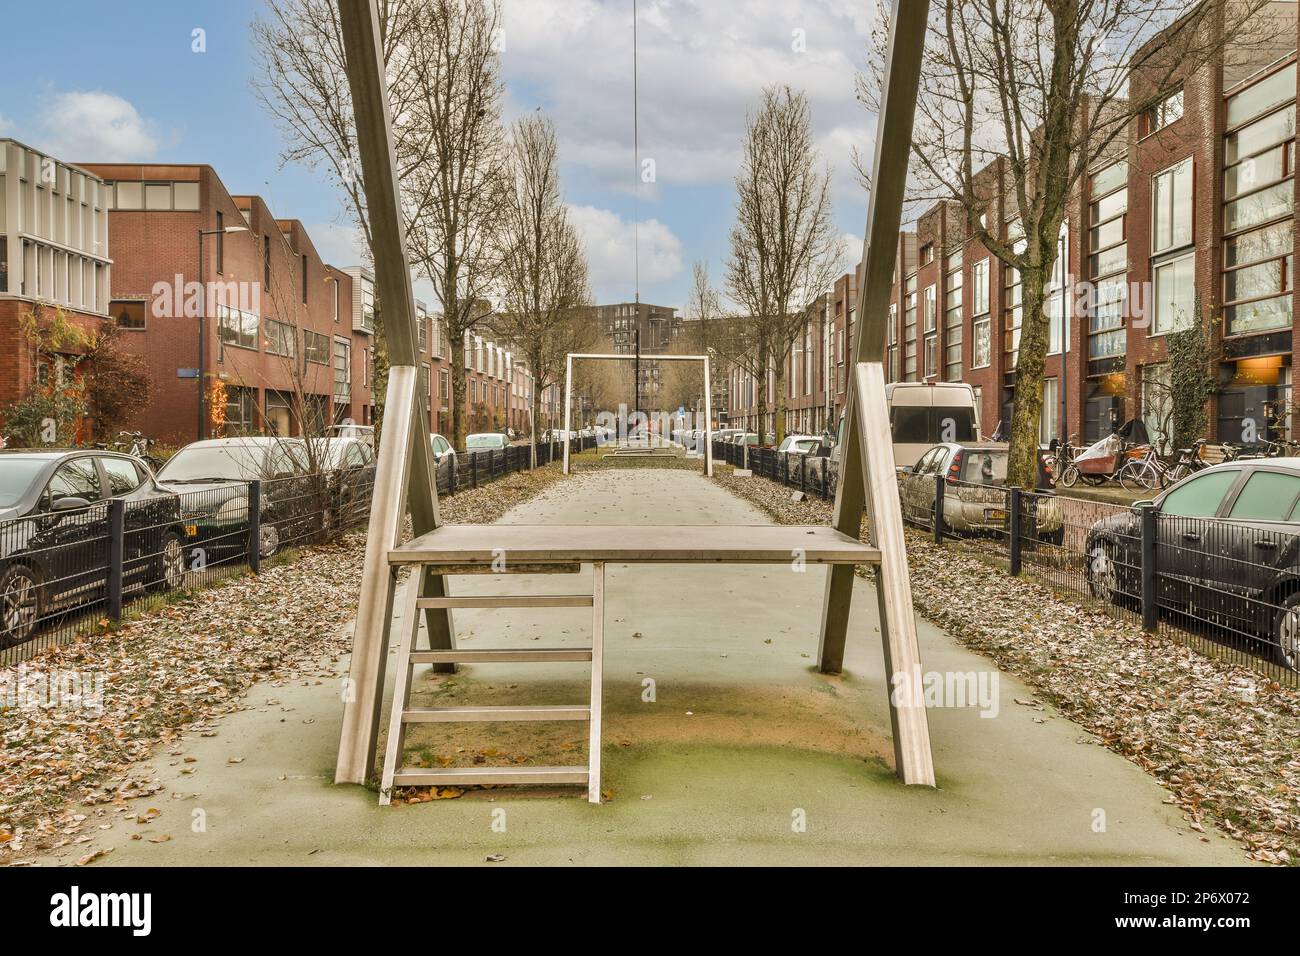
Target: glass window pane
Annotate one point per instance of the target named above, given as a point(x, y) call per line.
point(1267, 278)
point(1255, 172)
point(129, 196)
point(1174, 294)
point(1264, 243)
point(1267, 496)
point(185, 196)
point(1199, 497)
point(1262, 96)
point(1112, 177)
point(1258, 136)
point(1259, 316)
point(158, 196)
point(1112, 205)
point(1270, 203)
point(122, 476)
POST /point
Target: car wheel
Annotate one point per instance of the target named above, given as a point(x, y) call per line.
point(268, 540)
point(22, 604)
point(1286, 634)
point(170, 573)
point(1106, 574)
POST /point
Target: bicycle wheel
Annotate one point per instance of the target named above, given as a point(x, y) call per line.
point(1070, 475)
point(1136, 476)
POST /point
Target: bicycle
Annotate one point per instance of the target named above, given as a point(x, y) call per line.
point(1142, 472)
point(1061, 464)
point(137, 445)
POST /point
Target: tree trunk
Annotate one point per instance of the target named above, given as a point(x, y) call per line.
point(379, 373)
point(779, 385)
point(1022, 465)
point(457, 359)
point(760, 400)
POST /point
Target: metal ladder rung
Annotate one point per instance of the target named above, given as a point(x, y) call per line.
point(507, 600)
point(477, 776)
point(489, 655)
point(426, 715)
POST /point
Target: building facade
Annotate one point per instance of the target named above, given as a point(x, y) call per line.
point(54, 254)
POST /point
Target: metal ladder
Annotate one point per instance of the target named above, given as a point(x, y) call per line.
point(408, 657)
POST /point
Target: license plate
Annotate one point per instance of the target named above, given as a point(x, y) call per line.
point(191, 529)
point(994, 514)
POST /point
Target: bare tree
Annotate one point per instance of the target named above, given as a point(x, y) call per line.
point(457, 100)
point(544, 297)
point(784, 251)
point(1023, 97)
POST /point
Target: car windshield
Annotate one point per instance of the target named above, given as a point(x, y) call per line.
point(484, 441)
point(16, 476)
point(221, 462)
point(920, 424)
point(984, 467)
point(805, 446)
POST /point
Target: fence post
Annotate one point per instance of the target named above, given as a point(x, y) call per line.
point(1149, 607)
point(939, 483)
point(473, 470)
point(1014, 530)
point(116, 547)
point(803, 473)
point(255, 526)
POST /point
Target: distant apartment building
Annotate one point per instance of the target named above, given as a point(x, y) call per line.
point(54, 253)
point(654, 328)
point(232, 309)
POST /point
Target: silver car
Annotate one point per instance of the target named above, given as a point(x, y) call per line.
point(975, 494)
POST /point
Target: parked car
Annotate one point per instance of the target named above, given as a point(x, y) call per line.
point(364, 433)
point(212, 478)
point(486, 441)
point(54, 533)
point(444, 460)
point(348, 464)
point(727, 434)
point(974, 499)
point(1227, 551)
point(800, 445)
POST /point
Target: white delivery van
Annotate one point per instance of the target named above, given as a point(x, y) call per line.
point(925, 414)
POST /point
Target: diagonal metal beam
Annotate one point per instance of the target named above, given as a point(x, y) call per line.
point(860, 485)
point(408, 474)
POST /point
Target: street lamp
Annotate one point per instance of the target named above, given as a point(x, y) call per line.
point(203, 315)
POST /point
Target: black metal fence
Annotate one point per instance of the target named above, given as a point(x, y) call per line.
point(68, 573)
point(811, 475)
point(1230, 589)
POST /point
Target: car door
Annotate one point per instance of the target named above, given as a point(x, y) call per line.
point(143, 521)
point(1256, 540)
point(1186, 526)
point(914, 484)
point(74, 543)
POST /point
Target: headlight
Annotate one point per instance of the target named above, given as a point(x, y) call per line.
point(236, 509)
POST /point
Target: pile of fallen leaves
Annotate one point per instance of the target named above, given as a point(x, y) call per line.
point(176, 668)
point(1221, 738)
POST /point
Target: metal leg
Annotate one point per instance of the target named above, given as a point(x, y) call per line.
point(568, 408)
point(401, 690)
point(597, 679)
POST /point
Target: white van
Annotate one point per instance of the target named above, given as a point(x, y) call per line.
point(925, 414)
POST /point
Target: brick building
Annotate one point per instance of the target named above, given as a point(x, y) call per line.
point(1191, 213)
point(54, 253)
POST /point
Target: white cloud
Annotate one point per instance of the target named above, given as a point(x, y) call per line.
point(339, 245)
point(701, 66)
point(95, 126)
point(611, 242)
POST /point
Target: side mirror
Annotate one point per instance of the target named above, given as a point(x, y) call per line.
point(69, 504)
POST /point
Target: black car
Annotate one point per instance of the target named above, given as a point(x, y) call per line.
point(54, 533)
point(1227, 551)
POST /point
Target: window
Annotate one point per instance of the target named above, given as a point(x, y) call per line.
point(1047, 420)
point(952, 321)
point(128, 313)
point(1262, 96)
point(444, 385)
point(1174, 294)
point(1257, 280)
point(76, 479)
point(236, 327)
point(979, 277)
point(185, 196)
point(157, 196)
point(129, 196)
point(1157, 404)
point(982, 346)
point(1109, 300)
point(315, 347)
point(909, 331)
point(1266, 496)
point(927, 253)
point(240, 405)
point(1171, 207)
point(281, 338)
point(342, 371)
point(1165, 111)
point(1199, 497)
point(266, 261)
point(123, 476)
point(304, 277)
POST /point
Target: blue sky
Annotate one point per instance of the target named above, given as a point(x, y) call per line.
point(127, 86)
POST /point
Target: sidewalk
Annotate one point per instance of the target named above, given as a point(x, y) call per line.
point(743, 739)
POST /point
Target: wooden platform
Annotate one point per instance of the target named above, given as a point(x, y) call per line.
point(472, 544)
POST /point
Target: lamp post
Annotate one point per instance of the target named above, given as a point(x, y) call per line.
point(203, 315)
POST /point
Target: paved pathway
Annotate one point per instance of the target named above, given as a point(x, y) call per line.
point(745, 755)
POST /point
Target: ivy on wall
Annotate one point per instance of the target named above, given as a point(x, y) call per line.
point(1192, 355)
